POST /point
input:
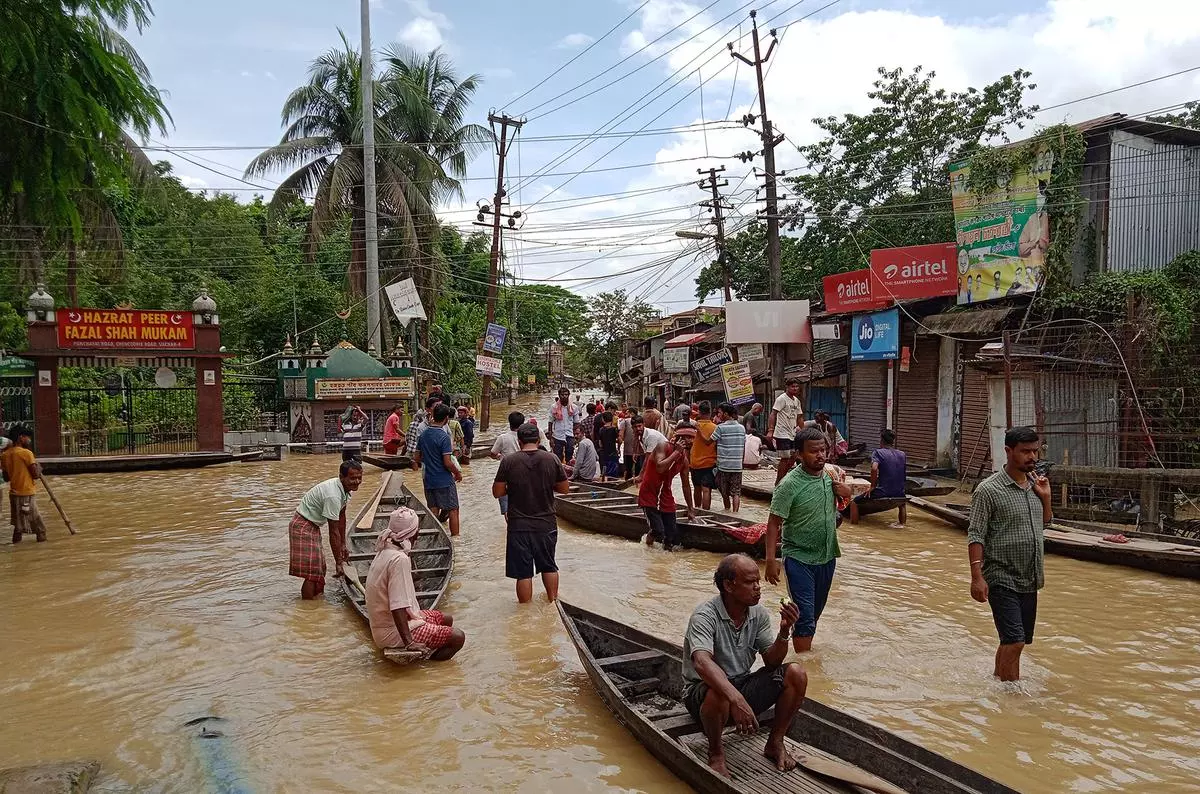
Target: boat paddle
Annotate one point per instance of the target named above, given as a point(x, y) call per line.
point(54, 499)
point(827, 767)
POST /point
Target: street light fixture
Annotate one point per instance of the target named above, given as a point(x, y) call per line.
point(687, 235)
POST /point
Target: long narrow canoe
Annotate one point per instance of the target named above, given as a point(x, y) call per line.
point(385, 461)
point(760, 484)
point(432, 554)
point(640, 678)
point(1165, 554)
point(613, 512)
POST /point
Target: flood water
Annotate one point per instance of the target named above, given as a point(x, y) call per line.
point(174, 603)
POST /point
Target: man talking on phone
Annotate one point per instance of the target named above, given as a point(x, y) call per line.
point(1009, 512)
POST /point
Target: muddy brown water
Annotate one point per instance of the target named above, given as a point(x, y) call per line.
point(174, 603)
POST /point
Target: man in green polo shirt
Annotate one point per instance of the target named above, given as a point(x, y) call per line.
point(804, 505)
point(1009, 513)
point(324, 502)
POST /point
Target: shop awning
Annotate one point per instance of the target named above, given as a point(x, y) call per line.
point(969, 321)
point(684, 340)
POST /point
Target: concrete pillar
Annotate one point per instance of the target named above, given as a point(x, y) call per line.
point(47, 435)
point(947, 380)
point(210, 415)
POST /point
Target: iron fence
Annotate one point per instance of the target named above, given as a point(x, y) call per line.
point(127, 420)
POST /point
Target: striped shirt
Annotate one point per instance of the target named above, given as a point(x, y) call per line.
point(352, 433)
point(731, 445)
point(414, 433)
point(733, 649)
point(1007, 520)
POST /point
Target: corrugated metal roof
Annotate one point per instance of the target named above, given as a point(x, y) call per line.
point(683, 340)
point(971, 321)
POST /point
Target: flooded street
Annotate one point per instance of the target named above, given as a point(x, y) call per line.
point(174, 603)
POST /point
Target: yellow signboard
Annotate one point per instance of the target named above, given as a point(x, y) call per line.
point(379, 388)
point(739, 384)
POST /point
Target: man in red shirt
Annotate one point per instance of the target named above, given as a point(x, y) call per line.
point(392, 437)
point(654, 493)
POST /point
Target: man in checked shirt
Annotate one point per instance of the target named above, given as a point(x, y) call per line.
point(1009, 512)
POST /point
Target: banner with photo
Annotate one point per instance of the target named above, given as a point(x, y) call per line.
point(1002, 235)
point(739, 383)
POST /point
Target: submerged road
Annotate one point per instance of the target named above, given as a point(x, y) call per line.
point(174, 603)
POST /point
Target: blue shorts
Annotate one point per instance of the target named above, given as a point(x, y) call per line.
point(442, 498)
point(503, 504)
point(809, 587)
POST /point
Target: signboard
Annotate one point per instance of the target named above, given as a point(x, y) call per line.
point(747, 322)
point(486, 365)
point(295, 388)
point(405, 301)
point(750, 352)
point(915, 271)
point(905, 358)
point(708, 367)
point(1002, 235)
point(16, 367)
point(827, 330)
point(531, 379)
point(493, 340)
point(850, 292)
point(875, 337)
point(382, 388)
point(125, 328)
point(739, 383)
point(675, 359)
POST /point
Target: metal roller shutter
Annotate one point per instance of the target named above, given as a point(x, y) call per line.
point(868, 401)
point(917, 403)
point(974, 444)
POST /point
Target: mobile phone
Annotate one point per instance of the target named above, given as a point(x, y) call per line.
point(1042, 467)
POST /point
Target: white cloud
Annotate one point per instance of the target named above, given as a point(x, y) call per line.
point(192, 182)
point(421, 8)
point(246, 74)
point(269, 75)
point(574, 40)
point(422, 34)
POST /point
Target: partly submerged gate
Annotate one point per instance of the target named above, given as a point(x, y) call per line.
point(127, 419)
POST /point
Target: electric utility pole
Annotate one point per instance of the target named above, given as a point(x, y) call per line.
point(497, 212)
point(769, 141)
point(718, 218)
point(371, 230)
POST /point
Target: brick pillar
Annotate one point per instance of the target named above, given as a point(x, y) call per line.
point(210, 413)
point(47, 435)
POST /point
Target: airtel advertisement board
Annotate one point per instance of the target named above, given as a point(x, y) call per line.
point(850, 292)
point(915, 271)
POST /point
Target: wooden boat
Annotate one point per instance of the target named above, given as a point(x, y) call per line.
point(432, 553)
point(870, 506)
point(385, 461)
point(927, 486)
point(96, 464)
point(762, 486)
point(610, 511)
point(1165, 554)
point(640, 678)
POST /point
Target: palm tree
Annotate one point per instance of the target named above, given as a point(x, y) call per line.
point(322, 147)
point(74, 85)
point(428, 108)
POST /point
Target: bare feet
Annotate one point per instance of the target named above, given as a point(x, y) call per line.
point(650, 540)
point(777, 754)
point(717, 764)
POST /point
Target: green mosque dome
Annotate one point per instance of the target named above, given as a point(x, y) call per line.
point(347, 361)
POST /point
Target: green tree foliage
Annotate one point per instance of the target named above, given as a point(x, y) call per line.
point(612, 317)
point(72, 87)
point(1190, 117)
point(876, 180)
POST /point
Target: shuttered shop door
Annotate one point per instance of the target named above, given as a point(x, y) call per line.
point(974, 446)
point(916, 403)
point(868, 399)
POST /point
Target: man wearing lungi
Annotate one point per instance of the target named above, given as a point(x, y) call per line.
point(22, 472)
point(325, 501)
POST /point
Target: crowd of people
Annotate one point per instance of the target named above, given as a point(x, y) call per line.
point(707, 450)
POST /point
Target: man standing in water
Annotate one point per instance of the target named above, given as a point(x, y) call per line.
point(723, 636)
point(804, 505)
point(787, 418)
point(23, 471)
point(351, 424)
point(324, 502)
point(395, 615)
point(435, 450)
point(392, 437)
point(730, 438)
point(654, 494)
point(1009, 513)
point(564, 414)
point(704, 458)
point(530, 478)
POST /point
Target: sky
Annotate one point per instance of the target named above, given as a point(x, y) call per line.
point(605, 207)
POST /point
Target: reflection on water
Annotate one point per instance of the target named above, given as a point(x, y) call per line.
point(174, 603)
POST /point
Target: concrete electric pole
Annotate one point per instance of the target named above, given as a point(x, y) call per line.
point(769, 141)
point(371, 231)
point(719, 219)
point(497, 212)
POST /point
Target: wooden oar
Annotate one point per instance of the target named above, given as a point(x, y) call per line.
point(61, 512)
point(850, 774)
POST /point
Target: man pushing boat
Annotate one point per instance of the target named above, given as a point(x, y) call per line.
point(396, 617)
point(324, 502)
point(723, 636)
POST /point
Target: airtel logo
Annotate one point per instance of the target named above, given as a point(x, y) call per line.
point(859, 288)
point(924, 269)
point(916, 270)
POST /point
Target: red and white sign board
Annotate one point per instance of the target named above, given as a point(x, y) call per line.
point(130, 329)
point(915, 271)
point(850, 292)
